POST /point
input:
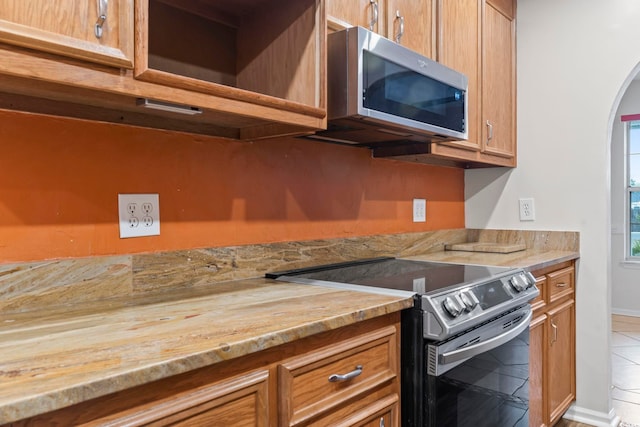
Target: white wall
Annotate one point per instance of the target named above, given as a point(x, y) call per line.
point(625, 285)
point(574, 59)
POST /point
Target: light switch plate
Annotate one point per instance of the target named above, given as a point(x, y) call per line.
point(139, 215)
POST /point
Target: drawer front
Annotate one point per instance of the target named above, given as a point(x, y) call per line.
point(560, 283)
point(236, 402)
point(384, 412)
point(366, 363)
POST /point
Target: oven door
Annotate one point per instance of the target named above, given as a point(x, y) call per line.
point(481, 377)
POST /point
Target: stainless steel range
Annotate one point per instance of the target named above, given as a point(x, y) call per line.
point(464, 343)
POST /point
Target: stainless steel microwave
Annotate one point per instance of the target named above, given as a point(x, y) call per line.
point(380, 92)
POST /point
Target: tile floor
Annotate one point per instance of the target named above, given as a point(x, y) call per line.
point(625, 360)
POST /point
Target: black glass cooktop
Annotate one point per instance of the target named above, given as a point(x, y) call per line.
point(421, 277)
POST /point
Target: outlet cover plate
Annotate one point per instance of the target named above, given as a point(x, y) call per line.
point(139, 215)
point(527, 209)
point(419, 210)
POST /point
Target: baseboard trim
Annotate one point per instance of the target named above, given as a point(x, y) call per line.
point(594, 418)
point(625, 312)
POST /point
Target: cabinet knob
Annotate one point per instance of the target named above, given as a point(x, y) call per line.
point(103, 5)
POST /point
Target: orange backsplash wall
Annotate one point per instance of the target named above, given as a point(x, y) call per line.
point(60, 178)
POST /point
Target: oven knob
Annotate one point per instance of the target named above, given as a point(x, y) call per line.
point(518, 283)
point(451, 306)
point(469, 299)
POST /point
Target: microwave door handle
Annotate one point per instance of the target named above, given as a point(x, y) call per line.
point(490, 344)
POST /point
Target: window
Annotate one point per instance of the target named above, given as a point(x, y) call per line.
point(633, 189)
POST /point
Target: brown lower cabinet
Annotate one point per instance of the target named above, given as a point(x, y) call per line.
point(288, 385)
point(552, 345)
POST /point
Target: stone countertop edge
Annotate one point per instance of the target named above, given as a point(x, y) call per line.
point(51, 361)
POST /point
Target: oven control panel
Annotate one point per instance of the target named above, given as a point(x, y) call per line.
point(459, 309)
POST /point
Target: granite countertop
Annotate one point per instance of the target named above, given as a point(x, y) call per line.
point(61, 356)
point(58, 358)
point(530, 259)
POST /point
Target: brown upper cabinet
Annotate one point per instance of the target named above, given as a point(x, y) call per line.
point(477, 38)
point(407, 22)
point(99, 31)
point(244, 69)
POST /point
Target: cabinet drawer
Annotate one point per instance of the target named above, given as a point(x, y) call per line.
point(369, 362)
point(560, 283)
point(239, 401)
point(384, 412)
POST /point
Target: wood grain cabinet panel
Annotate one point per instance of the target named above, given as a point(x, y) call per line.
point(388, 18)
point(552, 345)
point(477, 38)
point(315, 385)
point(498, 83)
point(537, 341)
point(239, 401)
point(68, 28)
point(417, 19)
point(561, 360)
point(561, 284)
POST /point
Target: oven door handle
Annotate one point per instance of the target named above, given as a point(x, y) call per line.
point(490, 344)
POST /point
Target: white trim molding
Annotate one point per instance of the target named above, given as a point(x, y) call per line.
point(594, 418)
point(625, 312)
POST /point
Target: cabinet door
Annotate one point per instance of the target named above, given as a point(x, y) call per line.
point(498, 79)
point(369, 14)
point(561, 359)
point(536, 371)
point(458, 47)
point(415, 20)
point(70, 28)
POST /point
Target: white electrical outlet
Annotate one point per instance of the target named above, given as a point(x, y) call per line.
point(419, 210)
point(139, 215)
point(527, 210)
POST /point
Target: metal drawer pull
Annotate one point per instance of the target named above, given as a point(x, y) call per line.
point(400, 18)
point(346, 377)
point(555, 332)
point(374, 18)
point(102, 17)
point(561, 285)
